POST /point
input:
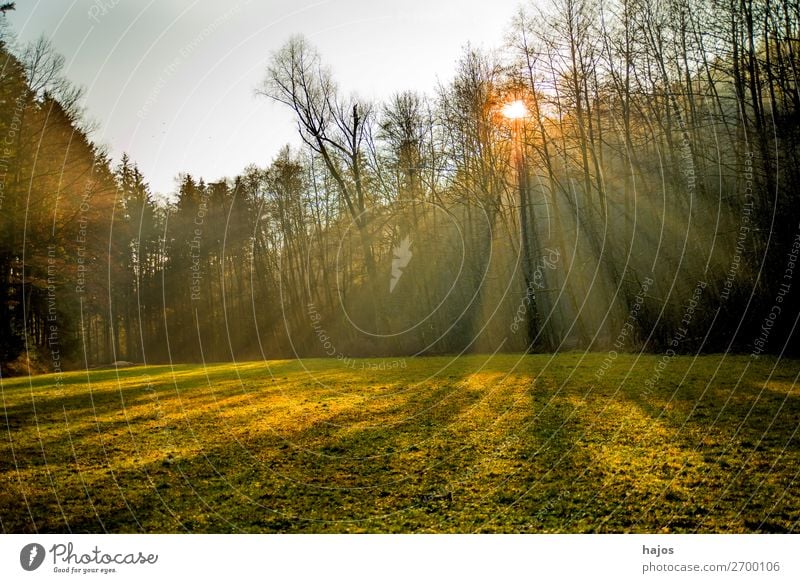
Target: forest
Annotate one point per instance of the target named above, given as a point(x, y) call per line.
point(615, 176)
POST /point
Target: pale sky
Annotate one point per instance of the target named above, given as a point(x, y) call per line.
point(172, 82)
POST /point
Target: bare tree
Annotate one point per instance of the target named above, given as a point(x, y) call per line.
point(333, 127)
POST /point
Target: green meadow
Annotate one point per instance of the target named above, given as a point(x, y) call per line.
point(517, 444)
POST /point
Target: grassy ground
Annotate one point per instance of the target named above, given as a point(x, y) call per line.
point(475, 444)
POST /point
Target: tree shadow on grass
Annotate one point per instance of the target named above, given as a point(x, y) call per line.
point(380, 453)
point(730, 461)
point(323, 477)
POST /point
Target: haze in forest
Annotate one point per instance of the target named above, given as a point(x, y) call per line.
point(613, 176)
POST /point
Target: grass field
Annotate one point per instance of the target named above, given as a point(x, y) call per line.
point(473, 444)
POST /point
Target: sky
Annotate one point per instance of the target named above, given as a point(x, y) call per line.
point(172, 83)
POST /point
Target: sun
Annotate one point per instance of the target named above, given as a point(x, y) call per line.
point(515, 110)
